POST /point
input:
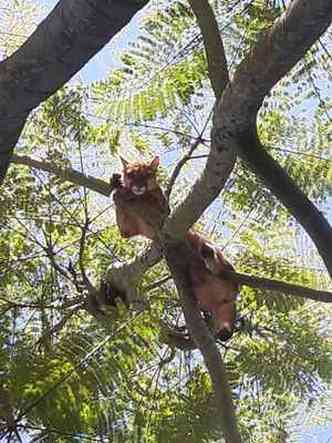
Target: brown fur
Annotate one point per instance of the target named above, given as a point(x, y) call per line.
point(141, 178)
point(211, 291)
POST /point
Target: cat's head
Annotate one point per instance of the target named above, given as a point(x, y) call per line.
point(140, 178)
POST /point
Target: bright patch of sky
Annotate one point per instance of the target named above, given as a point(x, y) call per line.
point(318, 435)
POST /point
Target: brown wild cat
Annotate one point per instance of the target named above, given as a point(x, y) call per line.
point(213, 293)
point(138, 185)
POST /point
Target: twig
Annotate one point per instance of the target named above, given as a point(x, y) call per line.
point(187, 157)
point(180, 165)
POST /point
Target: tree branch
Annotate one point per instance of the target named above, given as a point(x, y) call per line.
point(214, 47)
point(235, 118)
point(67, 174)
point(287, 191)
point(61, 45)
point(277, 285)
point(180, 165)
point(234, 123)
point(221, 160)
point(125, 276)
point(276, 53)
point(194, 206)
point(177, 255)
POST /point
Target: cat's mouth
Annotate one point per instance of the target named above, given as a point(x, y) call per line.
point(138, 190)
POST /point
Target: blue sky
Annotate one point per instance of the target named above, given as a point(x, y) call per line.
point(318, 435)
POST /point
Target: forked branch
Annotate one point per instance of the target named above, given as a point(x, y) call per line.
point(234, 125)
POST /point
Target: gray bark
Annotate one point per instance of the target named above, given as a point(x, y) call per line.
point(234, 123)
point(61, 45)
point(177, 256)
point(235, 119)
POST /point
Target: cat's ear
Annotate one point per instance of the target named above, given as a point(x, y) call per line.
point(155, 163)
point(124, 162)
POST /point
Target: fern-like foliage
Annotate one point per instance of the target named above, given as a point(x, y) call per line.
point(150, 81)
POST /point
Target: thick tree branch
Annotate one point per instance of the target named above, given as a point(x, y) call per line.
point(275, 54)
point(221, 160)
point(218, 73)
point(66, 174)
point(287, 191)
point(215, 53)
point(61, 45)
point(177, 255)
point(234, 123)
point(235, 118)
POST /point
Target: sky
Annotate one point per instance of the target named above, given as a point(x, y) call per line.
point(96, 69)
point(317, 435)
